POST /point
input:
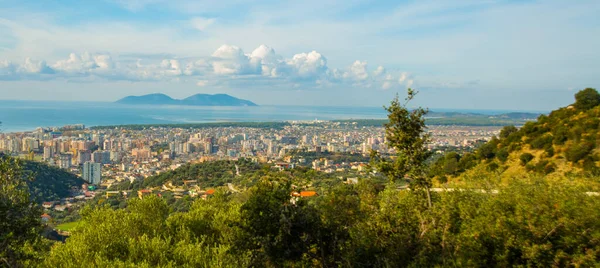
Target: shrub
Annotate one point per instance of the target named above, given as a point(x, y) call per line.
point(578, 151)
point(525, 158)
point(541, 142)
point(502, 154)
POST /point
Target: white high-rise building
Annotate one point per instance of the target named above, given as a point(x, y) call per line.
point(92, 172)
point(48, 153)
point(64, 161)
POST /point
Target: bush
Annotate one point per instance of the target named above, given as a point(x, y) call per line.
point(525, 158)
point(549, 168)
point(541, 142)
point(549, 151)
point(502, 154)
point(560, 134)
point(493, 166)
point(578, 151)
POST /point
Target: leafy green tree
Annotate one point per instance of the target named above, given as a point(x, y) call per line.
point(405, 132)
point(488, 150)
point(451, 166)
point(276, 230)
point(507, 130)
point(20, 223)
point(587, 99)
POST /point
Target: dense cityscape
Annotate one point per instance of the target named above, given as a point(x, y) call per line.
point(106, 156)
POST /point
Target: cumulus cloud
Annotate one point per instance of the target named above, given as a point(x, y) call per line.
point(358, 71)
point(232, 60)
point(308, 65)
point(267, 59)
point(227, 63)
point(35, 67)
point(84, 63)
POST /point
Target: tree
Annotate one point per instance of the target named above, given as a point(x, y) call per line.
point(507, 130)
point(20, 222)
point(276, 230)
point(405, 132)
point(587, 99)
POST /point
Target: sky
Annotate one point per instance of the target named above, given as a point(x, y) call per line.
point(487, 54)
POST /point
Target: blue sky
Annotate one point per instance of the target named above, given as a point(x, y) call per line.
point(521, 55)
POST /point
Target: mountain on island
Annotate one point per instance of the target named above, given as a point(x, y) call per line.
point(195, 100)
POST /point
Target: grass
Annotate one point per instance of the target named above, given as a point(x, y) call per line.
point(67, 226)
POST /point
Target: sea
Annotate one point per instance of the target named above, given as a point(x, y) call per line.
point(17, 116)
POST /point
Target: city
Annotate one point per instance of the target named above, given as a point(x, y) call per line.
point(105, 156)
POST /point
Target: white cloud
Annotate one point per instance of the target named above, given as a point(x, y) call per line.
point(200, 23)
point(84, 63)
point(202, 83)
point(358, 71)
point(267, 59)
point(197, 67)
point(35, 67)
point(230, 60)
point(308, 65)
point(224, 66)
point(402, 77)
point(379, 71)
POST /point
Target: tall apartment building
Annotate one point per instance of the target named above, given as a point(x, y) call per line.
point(92, 172)
point(65, 161)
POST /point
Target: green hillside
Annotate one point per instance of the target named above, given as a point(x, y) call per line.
point(561, 144)
point(50, 183)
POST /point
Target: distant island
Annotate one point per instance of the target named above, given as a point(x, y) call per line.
point(195, 100)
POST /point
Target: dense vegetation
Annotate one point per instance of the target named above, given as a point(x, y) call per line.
point(20, 226)
point(50, 183)
point(219, 173)
point(335, 157)
point(563, 143)
point(527, 221)
point(47, 183)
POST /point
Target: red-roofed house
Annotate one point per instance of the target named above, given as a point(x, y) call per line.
point(46, 217)
point(308, 193)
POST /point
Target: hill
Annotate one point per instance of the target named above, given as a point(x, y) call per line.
point(150, 99)
point(49, 183)
point(215, 100)
point(195, 100)
point(561, 144)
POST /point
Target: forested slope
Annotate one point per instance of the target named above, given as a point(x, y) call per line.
point(564, 143)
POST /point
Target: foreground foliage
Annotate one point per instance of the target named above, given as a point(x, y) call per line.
point(530, 223)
